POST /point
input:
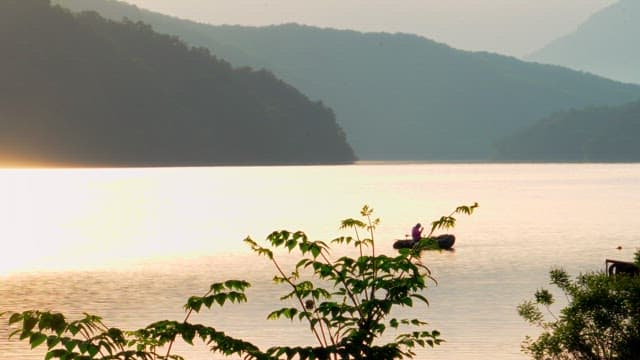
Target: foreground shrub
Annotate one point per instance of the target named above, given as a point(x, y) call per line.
point(600, 321)
point(346, 302)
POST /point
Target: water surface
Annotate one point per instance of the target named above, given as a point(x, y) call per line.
point(132, 244)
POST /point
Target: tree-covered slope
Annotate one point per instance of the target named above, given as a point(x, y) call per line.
point(596, 134)
point(606, 44)
point(82, 90)
point(398, 96)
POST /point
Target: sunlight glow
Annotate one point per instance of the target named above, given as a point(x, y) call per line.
point(62, 219)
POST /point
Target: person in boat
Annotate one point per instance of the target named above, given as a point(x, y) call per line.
point(416, 232)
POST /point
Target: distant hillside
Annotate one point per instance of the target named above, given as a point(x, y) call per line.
point(606, 44)
point(398, 97)
point(597, 134)
point(80, 90)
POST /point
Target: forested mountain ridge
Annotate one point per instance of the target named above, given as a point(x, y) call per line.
point(595, 134)
point(79, 90)
point(398, 96)
point(605, 44)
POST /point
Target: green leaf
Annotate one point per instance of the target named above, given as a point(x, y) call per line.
point(29, 323)
point(544, 297)
point(216, 287)
point(14, 333)
point(220, 298)
point(93, 350)
point(530, 312)
point(315, 250)
point(82, 347)
point(273, 315)
point(73, 329)
point(188, 334)
point(58, 323)
point(352, 223)
point(208, 301)
point(52, 341)
point(36, 339)
point(58, 353)
point(194, 303)
point(560, 278)
point(15, 317)
point(69, 344)
point(420, 297)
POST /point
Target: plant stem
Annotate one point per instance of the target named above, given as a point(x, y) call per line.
point(373, 257)
point(313, 329)
point(353, 298)
point(184, 321)
point(366, 296)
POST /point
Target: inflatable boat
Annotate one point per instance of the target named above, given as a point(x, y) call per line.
point(440, 242)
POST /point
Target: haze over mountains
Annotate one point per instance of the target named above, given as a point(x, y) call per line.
point(606, 44)
point(513, 28)
point(596, 134)
point(79, 90)
point(398, 96)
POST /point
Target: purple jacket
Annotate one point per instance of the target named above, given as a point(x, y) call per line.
point(416, 232)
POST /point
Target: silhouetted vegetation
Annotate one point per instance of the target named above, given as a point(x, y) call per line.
point(597, 134)
point(600, 322)
point(346, 302)
point(398, 96)
point(82, 90)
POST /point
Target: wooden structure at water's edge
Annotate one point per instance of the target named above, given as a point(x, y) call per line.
point(615, 267)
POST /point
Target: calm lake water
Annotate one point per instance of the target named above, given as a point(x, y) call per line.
point(132, 245)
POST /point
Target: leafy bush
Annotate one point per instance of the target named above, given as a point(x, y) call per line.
point(600, 321)
point(347, 318)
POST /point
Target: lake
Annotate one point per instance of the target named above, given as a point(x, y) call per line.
point(132, 245)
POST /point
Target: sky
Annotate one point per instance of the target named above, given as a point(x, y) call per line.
point(509, 27)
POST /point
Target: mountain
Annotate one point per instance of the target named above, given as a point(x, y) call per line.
point(595, 134)
point(80, 90)
point(398, 96)
point(606, 44)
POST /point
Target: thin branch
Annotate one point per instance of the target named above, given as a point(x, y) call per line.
point(173, 339)
point(373, 256)
point(366, 296)
point(284, 276)
point(354, 299)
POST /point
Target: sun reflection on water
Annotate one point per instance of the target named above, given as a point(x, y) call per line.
point(144, 239)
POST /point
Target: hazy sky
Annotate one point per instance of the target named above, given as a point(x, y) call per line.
point(512, 27)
